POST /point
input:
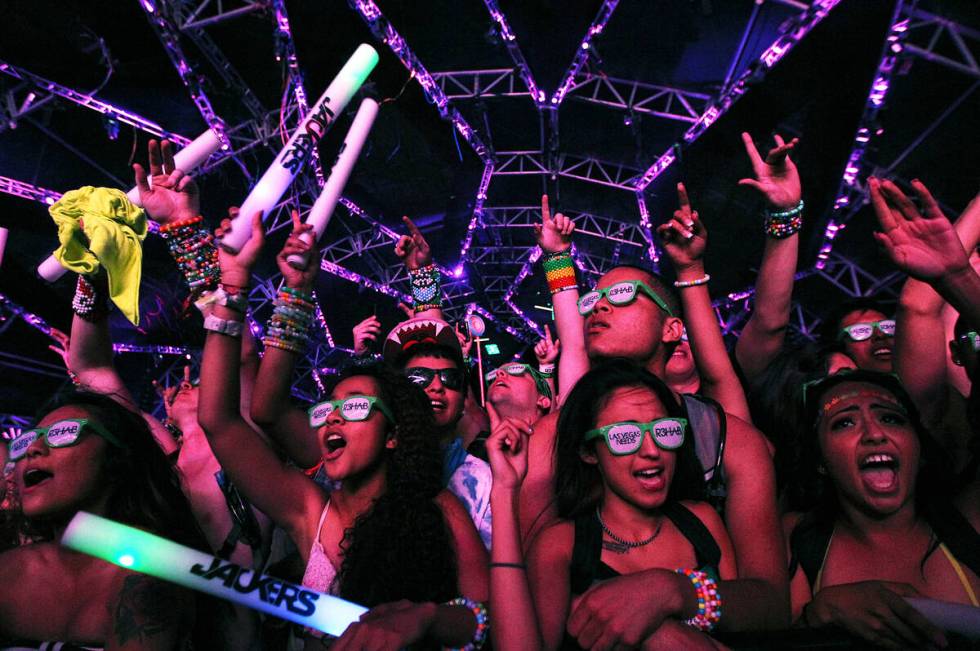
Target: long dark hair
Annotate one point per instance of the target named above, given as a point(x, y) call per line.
point(579, 484)
point(143, 487)
point(401, 547)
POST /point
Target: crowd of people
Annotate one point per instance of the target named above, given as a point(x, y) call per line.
point(635, 485)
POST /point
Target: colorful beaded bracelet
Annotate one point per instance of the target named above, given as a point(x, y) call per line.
point(482, 622)
point(709, 601)
point(559, 271)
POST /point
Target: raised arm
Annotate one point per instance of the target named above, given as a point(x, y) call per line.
point(554, 235)
point(776, 178)
point(271, 406)
point(546, 351)
point(925, 246)
point(414, 252)
point(685, 239)
point(920, 341)
point(283, 493)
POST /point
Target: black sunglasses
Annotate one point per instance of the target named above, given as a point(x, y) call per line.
point(451, 378)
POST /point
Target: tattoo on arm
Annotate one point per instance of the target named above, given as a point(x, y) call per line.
point(145, 608)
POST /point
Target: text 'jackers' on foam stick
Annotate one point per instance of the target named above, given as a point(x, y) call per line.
point(143, 552)
point(299, 149)
point(188, 159)
point(321, 211)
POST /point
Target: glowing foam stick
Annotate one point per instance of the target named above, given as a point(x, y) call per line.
point(3, 242)
point(143, 552)
point(321, 211)
point(299, 149)
point(188, 159)
point(956, 618)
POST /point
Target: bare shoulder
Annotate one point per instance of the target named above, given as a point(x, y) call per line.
point(145, 611)
point(706, 514)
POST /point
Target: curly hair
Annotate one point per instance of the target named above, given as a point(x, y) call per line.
point(401, 547)
point(143, 488)
point(578, 484)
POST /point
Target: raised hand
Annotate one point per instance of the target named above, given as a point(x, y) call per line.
point(61, 346)
point(236, 268)
point(180, 402)
point(413, 249)
point(776, 177)
point(507, 449)
point(293, 277)
point(365, 334)
point(685, 237)
point(465, 341)
point(554, 234)
point(407, 309)
point(925, 246)
point(547, 349)
point(174, 195)
point(875, 611)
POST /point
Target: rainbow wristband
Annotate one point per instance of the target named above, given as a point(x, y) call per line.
point(709, 601)
point(559, 271)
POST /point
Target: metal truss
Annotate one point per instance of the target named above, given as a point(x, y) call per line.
point(28, 191)
point(605, 228)
point(666, 102)
point(35, 84)
point(769, 58)
point(848, 276)
point(203, 13)
point(475, 84)
point(581, 168)
point(169, 36)
point(582, 52)
point(936, 31)
point(383, 30)
point(514, 50)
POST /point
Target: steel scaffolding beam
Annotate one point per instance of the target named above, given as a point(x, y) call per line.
point(514, 50)
point(582, 52)
point(666, 102)
point(581, 168)
point(476, 84)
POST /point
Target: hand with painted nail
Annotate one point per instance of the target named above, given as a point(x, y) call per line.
point(295, 244)
point(684, 236)
point(413, 249)
point(776, 177)
point(366, 334)
point(923, 243)
point(169, 194)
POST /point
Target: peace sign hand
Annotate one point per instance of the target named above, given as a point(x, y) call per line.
point(776, 177)
point(413, 249)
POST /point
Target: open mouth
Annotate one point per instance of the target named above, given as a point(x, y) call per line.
point(651, 478)
point(879, 472)
point(36, 476)
point(334, 444)
point(438, 405)
point(884, 352)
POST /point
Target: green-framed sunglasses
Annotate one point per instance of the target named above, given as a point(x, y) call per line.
point(520, 368)
point(61, 434)
point(353, 409)
point(863, 331)
point(621, 293)
point(626, 437)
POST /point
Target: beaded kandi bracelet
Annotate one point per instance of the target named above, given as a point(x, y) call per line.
point(426, 288)
point(559, 271)
point(89, 303)
point(709, 601)
point(482, 623)
point(290, 322)
point(193, 248)
point(783, 224)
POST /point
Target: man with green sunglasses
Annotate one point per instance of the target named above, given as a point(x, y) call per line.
point(516, 390)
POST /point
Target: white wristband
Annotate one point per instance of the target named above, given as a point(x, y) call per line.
point(546, 369)
point(230, 328)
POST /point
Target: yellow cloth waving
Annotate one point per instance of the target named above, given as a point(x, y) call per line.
point(101, 228)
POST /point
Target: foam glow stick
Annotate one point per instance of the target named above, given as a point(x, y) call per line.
point(3, 242)
point(189, 158)
point(143, 552)
point(956, 618)
point(299, 149)
point(322, 210)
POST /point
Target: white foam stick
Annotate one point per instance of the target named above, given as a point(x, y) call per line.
point(321, 211)
point(188, 159)
point(956, 618)
point(299, 149)
point(3, 242)
point(137, 550)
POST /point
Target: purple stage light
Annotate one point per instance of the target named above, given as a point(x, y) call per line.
point(458, 271)
point(772, 55)
point(481, 197)
point(582, 53)
point(851, 192)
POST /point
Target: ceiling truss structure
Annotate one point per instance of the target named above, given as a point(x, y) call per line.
point(501, 266)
